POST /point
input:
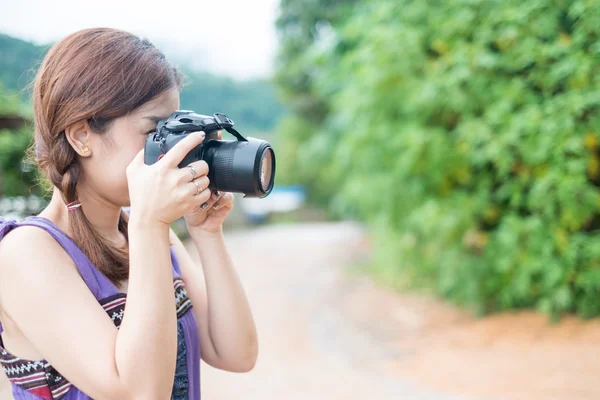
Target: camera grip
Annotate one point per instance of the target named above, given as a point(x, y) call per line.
point(152, 151)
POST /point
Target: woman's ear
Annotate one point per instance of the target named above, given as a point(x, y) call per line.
point(78, 135)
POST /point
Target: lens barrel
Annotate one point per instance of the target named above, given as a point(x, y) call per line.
point(239, 166)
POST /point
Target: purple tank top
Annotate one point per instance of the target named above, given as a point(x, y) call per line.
point(34, 380)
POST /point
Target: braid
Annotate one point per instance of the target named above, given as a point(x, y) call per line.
point(64, 170)
point(67, 168)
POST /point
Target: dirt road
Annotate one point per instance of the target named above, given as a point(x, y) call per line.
point(310, 347)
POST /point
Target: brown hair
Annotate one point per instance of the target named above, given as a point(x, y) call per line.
point(95, 75)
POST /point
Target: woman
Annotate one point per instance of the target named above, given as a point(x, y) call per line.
point(66, 333)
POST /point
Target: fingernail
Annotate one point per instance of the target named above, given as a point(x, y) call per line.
point(218, 193)
point(216, 206)
point(203, 206)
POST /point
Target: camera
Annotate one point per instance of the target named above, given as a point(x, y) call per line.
point(245, 165)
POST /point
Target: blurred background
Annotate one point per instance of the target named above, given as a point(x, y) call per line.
point(433, 232)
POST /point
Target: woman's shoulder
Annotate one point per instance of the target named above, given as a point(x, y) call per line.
point(28, 247)
point(22, 237)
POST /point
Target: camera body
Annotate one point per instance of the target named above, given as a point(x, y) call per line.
point(176, 127)
point(245, 165)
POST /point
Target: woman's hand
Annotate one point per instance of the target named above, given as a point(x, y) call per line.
point(162, 192)
point(210, 216)
point(210, 219)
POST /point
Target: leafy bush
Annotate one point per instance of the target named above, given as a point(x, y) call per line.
point(17, 177)
point(466, 134)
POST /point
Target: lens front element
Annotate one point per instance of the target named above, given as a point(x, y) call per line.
point(242, 167)
point(266, 170)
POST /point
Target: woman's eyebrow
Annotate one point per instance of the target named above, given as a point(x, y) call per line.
point(155, 119)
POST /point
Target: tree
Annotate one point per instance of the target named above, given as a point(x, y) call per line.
point(465, 134)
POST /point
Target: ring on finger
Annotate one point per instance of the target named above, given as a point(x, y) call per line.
point(198, 188)
point(192, 171)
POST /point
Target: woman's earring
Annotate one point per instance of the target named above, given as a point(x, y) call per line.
point(85, 149)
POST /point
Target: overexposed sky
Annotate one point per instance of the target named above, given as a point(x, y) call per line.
point(228, 37)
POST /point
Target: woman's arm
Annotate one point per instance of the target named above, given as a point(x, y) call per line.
point(228, 336)
point(42, 292)
point(146, 346)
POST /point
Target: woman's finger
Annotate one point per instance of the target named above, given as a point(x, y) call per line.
point(198, 193)
point(194, 170)
point(181, 149)
point(223, 200)
point(198, 185)
point(215, 196)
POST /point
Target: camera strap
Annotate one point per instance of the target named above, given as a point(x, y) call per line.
point(236, 134)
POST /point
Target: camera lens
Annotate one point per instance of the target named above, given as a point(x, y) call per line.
point(266, 169)
point(237, 166)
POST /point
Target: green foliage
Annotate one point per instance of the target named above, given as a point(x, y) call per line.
point(303, 147)
point(466, 134)
point(17, 178)
point(18, 60)
point(252, 104)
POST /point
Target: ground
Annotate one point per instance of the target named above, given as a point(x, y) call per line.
point(328, 334)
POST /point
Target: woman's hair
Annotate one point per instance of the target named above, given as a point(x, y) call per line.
point(96, 75)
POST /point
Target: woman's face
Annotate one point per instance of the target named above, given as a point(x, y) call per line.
point(111, 152)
